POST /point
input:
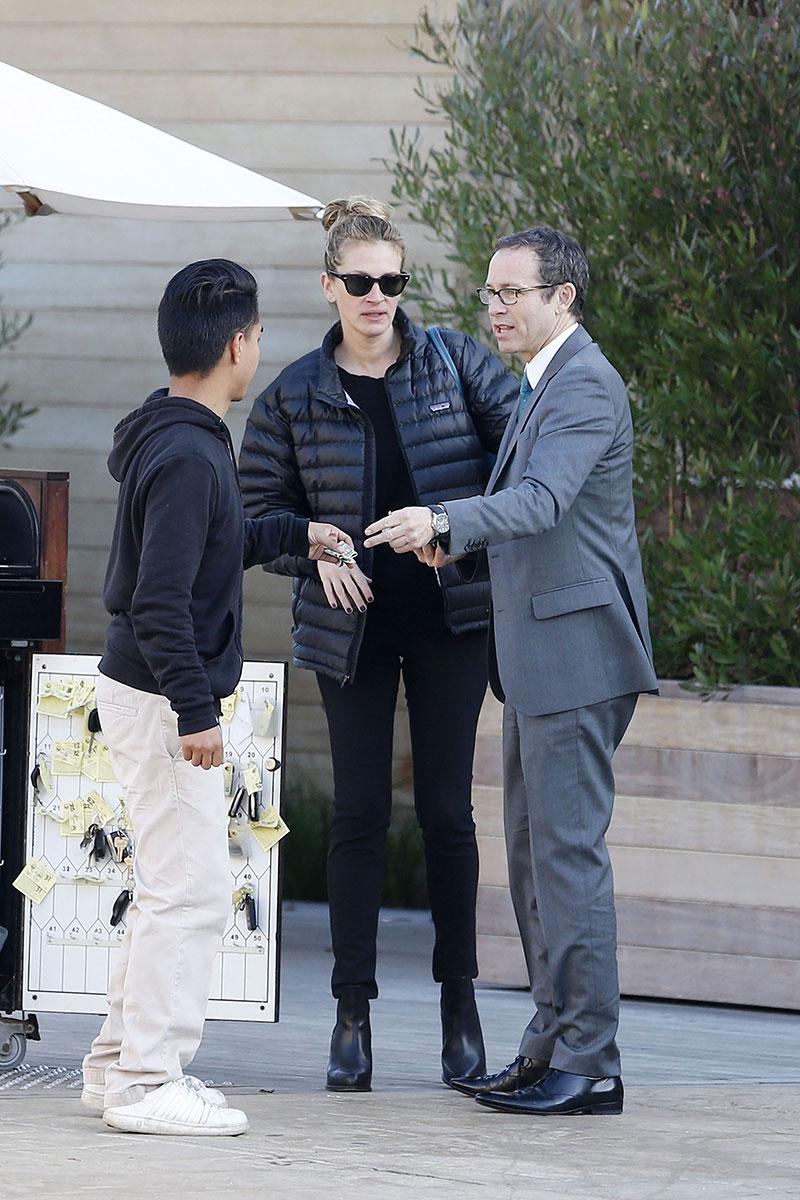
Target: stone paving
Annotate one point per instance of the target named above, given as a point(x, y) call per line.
point(712, 1104)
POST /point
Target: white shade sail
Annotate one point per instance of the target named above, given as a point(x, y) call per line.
point(62, 152)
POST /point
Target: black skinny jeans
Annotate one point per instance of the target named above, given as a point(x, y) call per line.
point(445, 684)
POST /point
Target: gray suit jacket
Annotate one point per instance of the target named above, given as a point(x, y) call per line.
point(570, 608)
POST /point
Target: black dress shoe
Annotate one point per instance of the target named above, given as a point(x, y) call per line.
point(561, 1094)
point(350, 1062)
point(521, 1073)
point(463, 1054)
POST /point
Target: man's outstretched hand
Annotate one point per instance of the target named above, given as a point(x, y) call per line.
point(325, 540)
point(403, 530)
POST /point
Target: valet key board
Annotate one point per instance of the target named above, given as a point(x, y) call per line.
point(79, 850)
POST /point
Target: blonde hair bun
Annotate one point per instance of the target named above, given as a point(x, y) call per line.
point(354, 206)
point(358, 219)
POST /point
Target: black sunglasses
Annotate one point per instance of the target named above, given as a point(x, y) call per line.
point(358, 284)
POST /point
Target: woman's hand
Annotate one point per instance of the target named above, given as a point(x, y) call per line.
point(345, 586)
point(323, 537)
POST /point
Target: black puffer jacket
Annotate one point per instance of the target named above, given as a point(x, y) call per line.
point(307, 451)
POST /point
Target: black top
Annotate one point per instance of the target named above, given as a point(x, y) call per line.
point(174, 580)
point(400, 581)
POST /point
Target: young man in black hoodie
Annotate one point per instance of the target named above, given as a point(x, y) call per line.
point(174, 592)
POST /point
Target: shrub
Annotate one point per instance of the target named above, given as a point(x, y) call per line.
point(661, 136)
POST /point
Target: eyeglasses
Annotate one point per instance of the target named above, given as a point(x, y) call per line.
point(510, 295)
point(358, 284)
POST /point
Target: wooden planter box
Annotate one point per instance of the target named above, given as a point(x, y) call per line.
point(705, 844)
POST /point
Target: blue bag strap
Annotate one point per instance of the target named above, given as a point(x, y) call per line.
point(438, 341)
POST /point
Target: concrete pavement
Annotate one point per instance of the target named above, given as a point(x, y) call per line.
point(712, 1105)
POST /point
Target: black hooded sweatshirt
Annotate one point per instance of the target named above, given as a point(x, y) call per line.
point(174, 581)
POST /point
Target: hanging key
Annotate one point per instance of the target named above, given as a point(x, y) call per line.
point(120, 844)
point(245, 901)
point(100, 847)
point(88, 837)
point(120, 906)
point(236, 804)
point(253, 806)
point(95, 837)
point(252, 782)
point(250, 912)
point(94, 727)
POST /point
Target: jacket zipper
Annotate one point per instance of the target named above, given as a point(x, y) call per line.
point(369, 494)
point(414, 489)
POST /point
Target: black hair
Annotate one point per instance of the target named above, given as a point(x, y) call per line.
point(561, 260)
point(203, 306)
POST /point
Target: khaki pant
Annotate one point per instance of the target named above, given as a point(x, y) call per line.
point(158, 992)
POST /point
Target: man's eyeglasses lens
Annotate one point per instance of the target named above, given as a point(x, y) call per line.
point(510, 295)
point(358, 284)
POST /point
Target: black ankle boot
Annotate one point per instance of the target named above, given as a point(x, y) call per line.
point(350, 1062)
point(463, 1054)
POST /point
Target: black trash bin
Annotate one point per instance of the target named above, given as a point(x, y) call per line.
point(30, 608)
point(33, 541)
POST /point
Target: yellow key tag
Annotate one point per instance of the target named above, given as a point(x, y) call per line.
point(67, 758)
point(45, 778)
point(35, 880)
point(105, 767)
point(90, 764)
point(83, 695)
point(55, 698)
point(229, 771)
point(73, 818)
point(261, 717)
point(89, 810)
point(269, 829)
point(97, 809)
point(270, 817)
point(252, 779)
point(228, 708)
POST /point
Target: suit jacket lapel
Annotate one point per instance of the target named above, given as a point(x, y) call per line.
point(518, 421)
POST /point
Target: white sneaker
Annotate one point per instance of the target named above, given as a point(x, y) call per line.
point(177, 1107)
point(211, 1094)
point(93, 1095)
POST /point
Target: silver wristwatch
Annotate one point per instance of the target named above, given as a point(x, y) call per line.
point(439, 520)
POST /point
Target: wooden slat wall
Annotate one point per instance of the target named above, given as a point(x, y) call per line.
point(306, 92)
point(705, 844)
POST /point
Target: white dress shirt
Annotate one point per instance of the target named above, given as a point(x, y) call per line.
point(537, 366)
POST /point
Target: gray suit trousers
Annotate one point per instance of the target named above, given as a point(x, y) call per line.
point(559, 795)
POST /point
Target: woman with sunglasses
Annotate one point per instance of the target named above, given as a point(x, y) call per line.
point(375, 419)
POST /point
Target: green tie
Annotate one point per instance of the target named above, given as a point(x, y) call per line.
point(525, 393)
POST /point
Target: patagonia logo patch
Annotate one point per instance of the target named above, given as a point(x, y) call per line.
point(440, 406)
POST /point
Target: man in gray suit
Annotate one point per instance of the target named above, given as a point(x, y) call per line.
point(571, 652)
